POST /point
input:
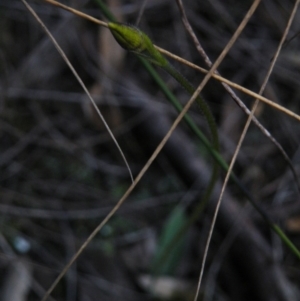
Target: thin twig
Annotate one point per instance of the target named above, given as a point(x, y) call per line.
point(231, 84)
point(212, 70)
point(155, 153)
point(239, 102)
point(61, 52)
point(77, 12)
point(189, 64)
point(240, 143)
point(141, 11)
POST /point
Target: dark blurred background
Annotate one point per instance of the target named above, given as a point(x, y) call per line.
point(61, 173)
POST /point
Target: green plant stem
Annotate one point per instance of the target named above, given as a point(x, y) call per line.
point(133, 39)
point(206, 142)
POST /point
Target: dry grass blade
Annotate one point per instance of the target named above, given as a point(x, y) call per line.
point(142, 9)
point(231, 84)
point(61, 173)
point(187, 63)
point(212, 70)
point(77, 12)
point(61, 52)
point(240, 103)
point(242, 138)
point(157, 150)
